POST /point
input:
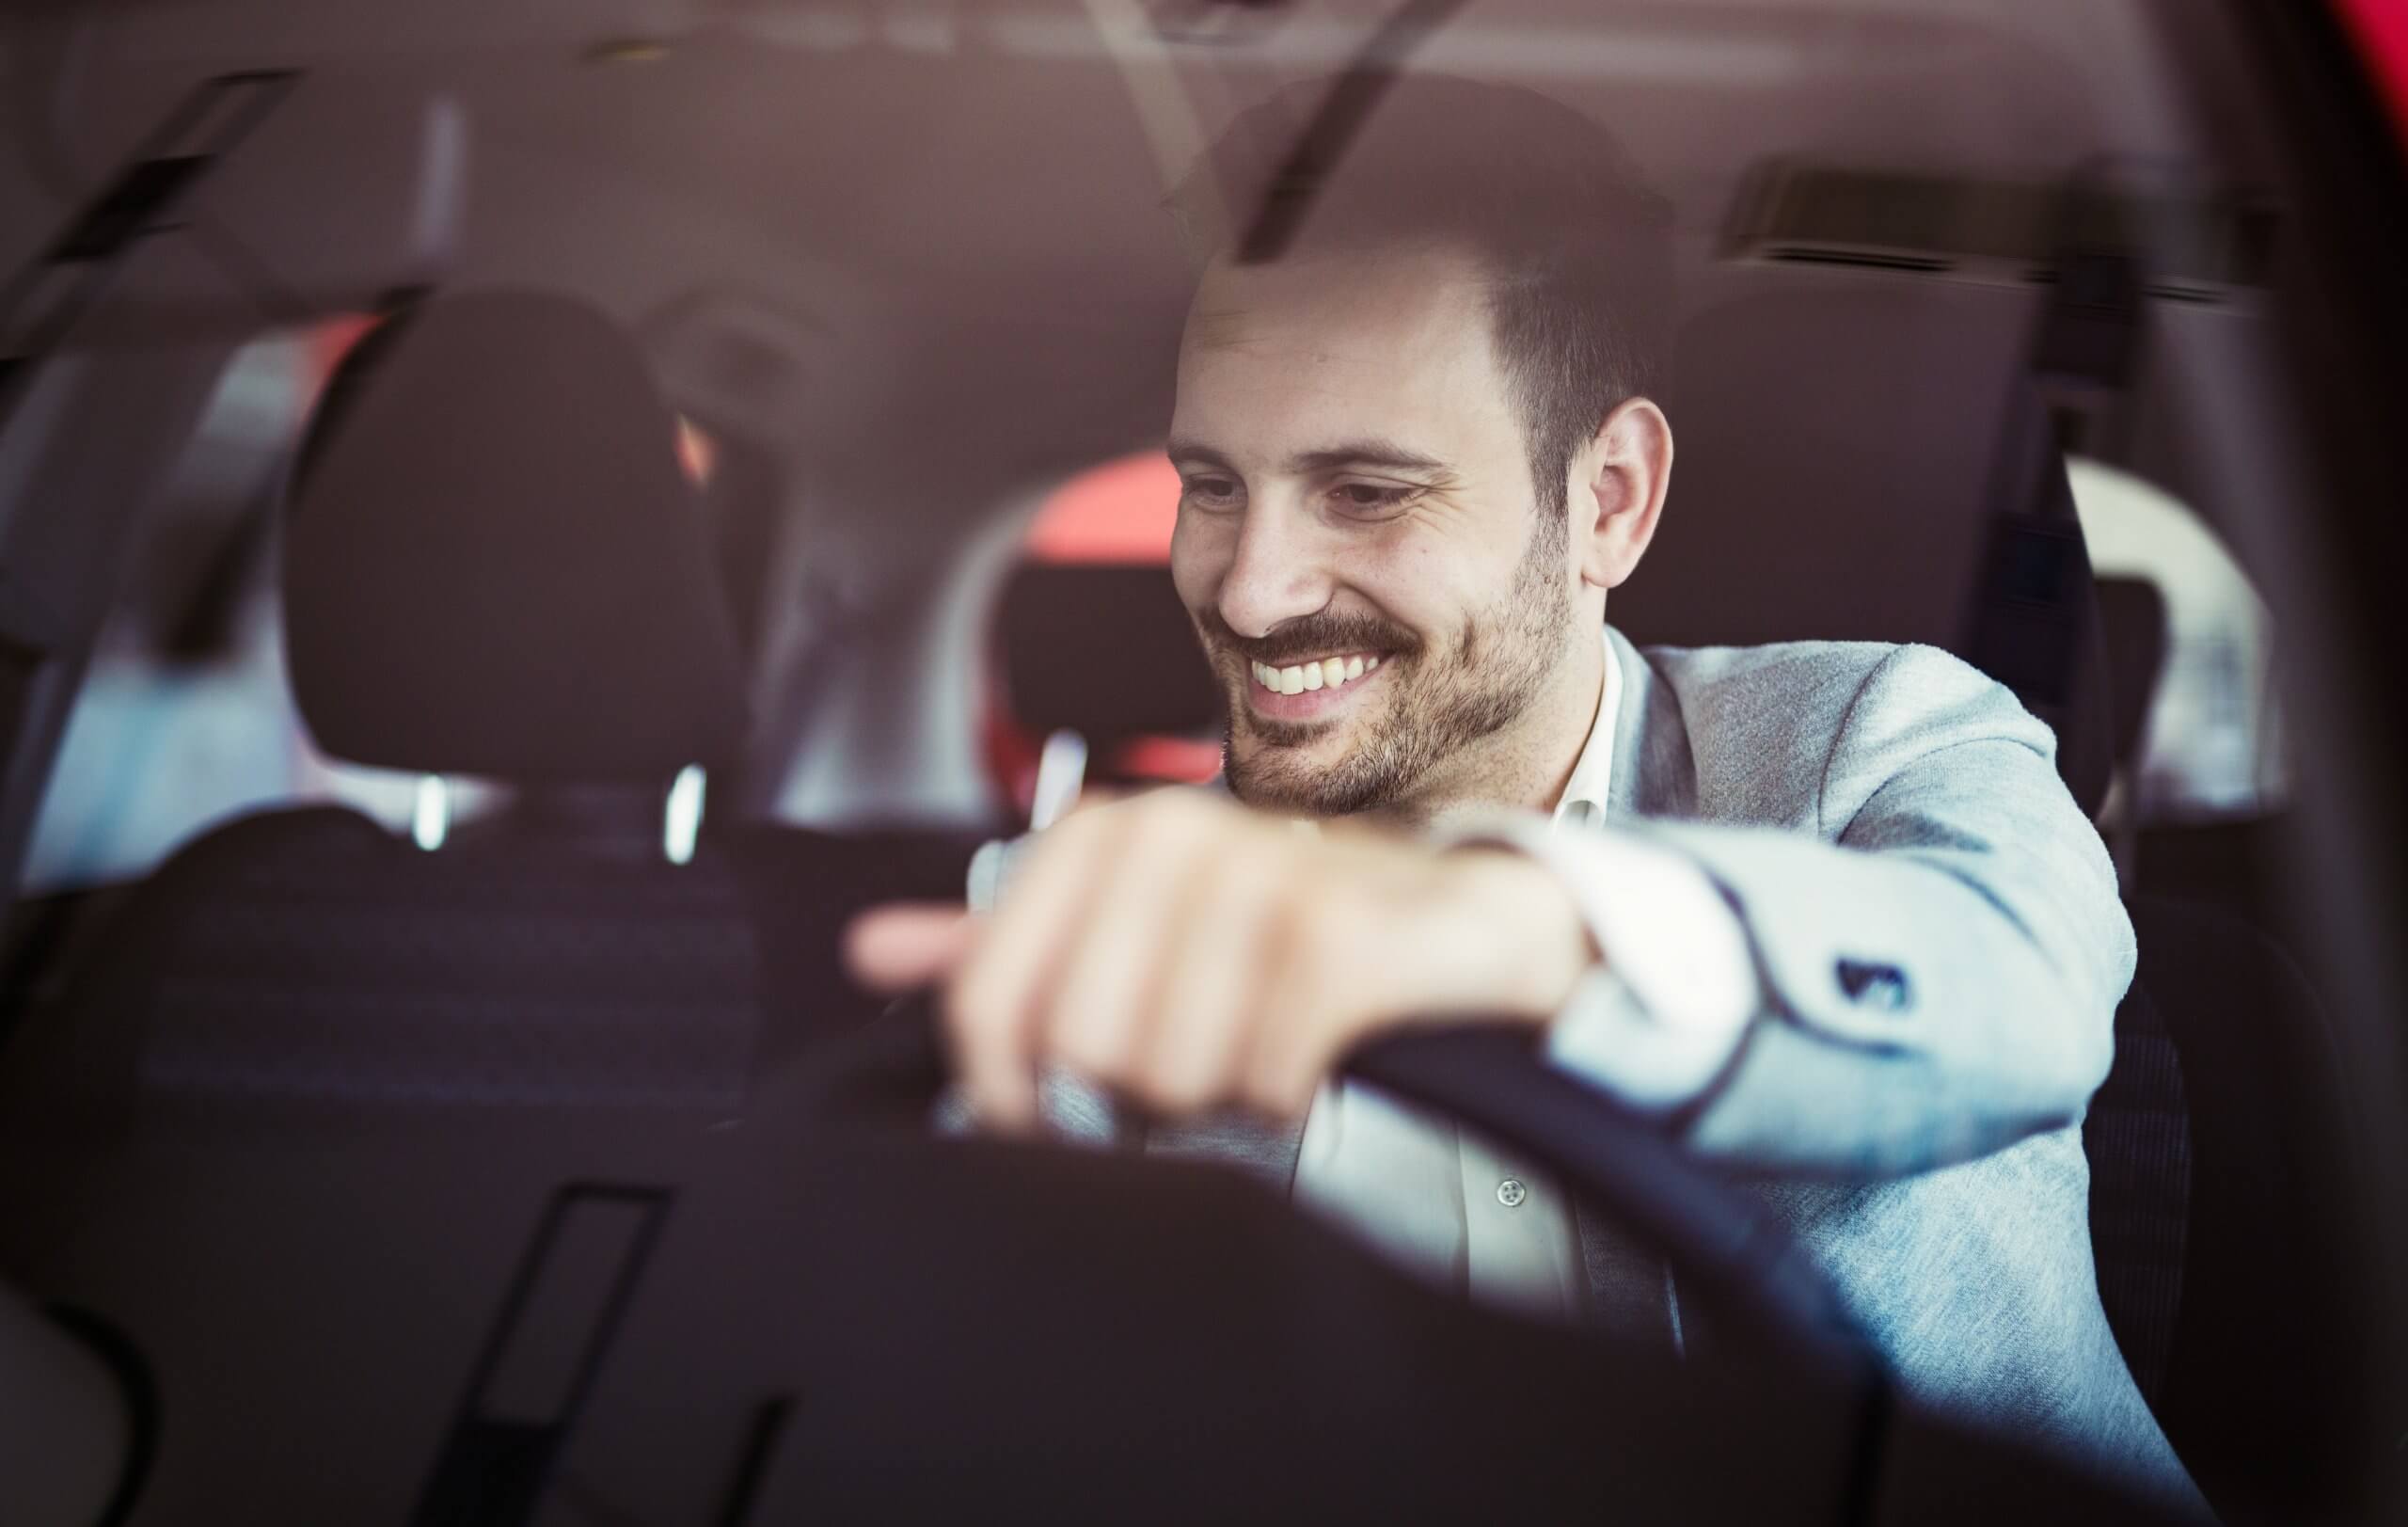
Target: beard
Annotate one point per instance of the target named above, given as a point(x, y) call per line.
point(1437, 704)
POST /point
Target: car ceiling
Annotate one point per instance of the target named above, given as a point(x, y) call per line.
point(944, 218)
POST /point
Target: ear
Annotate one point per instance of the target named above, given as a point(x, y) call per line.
point(1618, 491)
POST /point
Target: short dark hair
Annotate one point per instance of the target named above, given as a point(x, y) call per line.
point(1575, 248)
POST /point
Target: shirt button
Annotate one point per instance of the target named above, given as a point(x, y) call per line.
point(1511, 1192)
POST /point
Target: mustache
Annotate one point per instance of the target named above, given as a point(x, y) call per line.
point(1307, 636)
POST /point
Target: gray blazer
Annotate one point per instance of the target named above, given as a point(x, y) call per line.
point(1941, 948)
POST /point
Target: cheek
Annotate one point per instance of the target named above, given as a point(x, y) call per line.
point(1412, 585)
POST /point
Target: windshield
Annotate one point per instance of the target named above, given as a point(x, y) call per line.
point(1895, 487)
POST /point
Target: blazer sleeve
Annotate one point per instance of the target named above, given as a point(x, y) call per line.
point(1940, 963)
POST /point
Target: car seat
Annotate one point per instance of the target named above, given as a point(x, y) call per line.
point(1089, 638)
point(2232, 1267)
point(1861, 464)
point(489, 569)
point(1843, 456)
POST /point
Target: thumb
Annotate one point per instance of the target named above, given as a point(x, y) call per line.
point(907, 944)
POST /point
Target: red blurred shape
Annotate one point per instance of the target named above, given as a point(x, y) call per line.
point(1120, 512)
point(332, 338)
point(1186, 760)
point(2381, 27)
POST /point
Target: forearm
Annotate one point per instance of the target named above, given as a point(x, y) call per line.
point(1831, 1010)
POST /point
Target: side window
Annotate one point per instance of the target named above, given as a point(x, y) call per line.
point(2211, 749)
point(184, 716)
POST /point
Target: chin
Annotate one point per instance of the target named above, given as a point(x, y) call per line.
point(1327, 780)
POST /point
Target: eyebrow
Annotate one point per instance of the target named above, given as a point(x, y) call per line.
point(1365, 453)
point(1184, 451)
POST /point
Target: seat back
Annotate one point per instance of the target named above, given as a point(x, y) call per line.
point(1870, 465)
point(491, 567)
point(2137, 1137)
point(322, 1089)
point(2231, 1272)
point(310, 961)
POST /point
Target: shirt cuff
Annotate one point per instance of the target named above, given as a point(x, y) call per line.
point(1660, 1017)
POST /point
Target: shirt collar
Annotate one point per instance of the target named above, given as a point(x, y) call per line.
point(1592, 782)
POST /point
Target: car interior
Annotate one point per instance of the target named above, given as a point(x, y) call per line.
point(515, 523)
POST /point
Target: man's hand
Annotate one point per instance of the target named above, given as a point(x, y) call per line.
point(1192, 954)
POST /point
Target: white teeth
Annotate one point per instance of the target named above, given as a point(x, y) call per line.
point(1298, 678)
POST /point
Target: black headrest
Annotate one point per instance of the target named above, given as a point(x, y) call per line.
point(493, 564)
point(1840, 453)
point(1834, 450)
point(1104, 649)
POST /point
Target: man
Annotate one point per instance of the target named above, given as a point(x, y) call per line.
point(1825, 910)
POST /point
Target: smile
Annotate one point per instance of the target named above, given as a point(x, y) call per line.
point(1302, 691)
point(1320, 674)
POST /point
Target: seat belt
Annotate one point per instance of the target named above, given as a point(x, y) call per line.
point(2033, 622)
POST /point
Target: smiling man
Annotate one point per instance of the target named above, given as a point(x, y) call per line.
point(1823, 909)
point(1474, 676)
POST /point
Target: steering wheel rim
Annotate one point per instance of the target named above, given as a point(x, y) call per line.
point(1753, 1273)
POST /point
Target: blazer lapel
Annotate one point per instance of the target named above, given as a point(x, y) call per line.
point(1654, 773)
point(1630, 1289)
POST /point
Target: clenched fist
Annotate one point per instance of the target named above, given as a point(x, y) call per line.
point(1190, 954)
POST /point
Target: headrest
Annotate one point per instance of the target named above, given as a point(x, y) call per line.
point(1104, 649)
point(1830, 482)
point(493, 564)
point(1836, 479)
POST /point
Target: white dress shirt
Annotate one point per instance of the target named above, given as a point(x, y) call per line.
point(1652, 1024)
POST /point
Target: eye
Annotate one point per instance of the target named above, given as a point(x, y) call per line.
point(1211, 492)
point(1372, 499)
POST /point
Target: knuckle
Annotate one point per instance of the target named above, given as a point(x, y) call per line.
point(1170, 821)
point(1091, 1043)
point(1173, 1088)
point(1279, 1091)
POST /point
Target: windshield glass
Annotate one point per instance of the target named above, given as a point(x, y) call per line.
point(1831, 540)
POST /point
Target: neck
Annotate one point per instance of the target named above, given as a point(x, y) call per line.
point(1528, 764)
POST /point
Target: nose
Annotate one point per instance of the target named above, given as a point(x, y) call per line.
point(1276, 574)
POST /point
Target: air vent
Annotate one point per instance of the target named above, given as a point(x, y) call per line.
point(2196, 248)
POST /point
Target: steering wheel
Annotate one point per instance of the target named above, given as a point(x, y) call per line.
point(1746, 1268)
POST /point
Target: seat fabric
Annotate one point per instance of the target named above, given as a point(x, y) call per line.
point(310, 958)
point(2230, 1272)
point(2138, 1139)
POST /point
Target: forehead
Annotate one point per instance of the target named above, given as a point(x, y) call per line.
point(1394, 343)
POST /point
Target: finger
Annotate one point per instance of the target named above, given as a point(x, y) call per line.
point(1102, 1007)
point(905, 945)
point(995, 999)
point(1207, 994)
point(1311, 1008)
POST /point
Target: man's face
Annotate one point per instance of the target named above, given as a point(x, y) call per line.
point(1359, 540)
